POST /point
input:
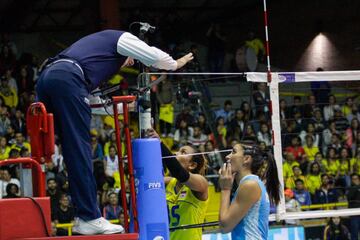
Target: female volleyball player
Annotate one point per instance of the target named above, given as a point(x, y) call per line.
point(186, 190)
point(247, 216)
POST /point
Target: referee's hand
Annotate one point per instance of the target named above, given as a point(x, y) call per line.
point(184, 60)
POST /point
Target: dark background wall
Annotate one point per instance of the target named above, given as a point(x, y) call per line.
point(293, 26)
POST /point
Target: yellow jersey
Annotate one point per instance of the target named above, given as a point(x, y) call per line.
point(184, 208)
point(332, 167)
point(313, 182)
point(4, 153)
point(287, 169)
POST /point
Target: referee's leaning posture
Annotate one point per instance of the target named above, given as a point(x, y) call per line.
point(64, 86)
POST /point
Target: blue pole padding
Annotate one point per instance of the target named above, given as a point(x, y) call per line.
point(150, 190)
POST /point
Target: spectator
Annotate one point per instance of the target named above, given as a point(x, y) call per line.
point(112, 210)
point(12, 191)
point(20, 142)
point(111, 162)
point(249, 134)
point(335, 230)
point(321, 90)
point(214, 157)
point(203, 124)
point(353, 197)
point(112, 142)
point(185, 115)
point(256, 44)
point(64, 214)
point(318, 121)
point(8, 93)
point(6, 179)
point(291, 205)
point(297, 174)
point(300, 123)
point(182, 134)
point(96, 148)
point(343, 179)
point(335, 143)
point(325, 194)
point(261, 99)
point(226, 113)
point(301, 194)
point(314, 177)
point(18, 122)
point(351, 133)
point(288, 133)
point(11, 80)
point(4, 149)
point(341, 123)
point(288, 165)
point(309, 148)
point(221, 130)
point(237, 125)
point(264, 135)
point(331, 164)
point(284, 110)
point(310, 131)
point(310, 107)
point(25, 81)
point(297, 107)
point(54, 194)
point(248, 114)
point(296, 148)
point(165, 97)
point(197, 138)
point(347, 109)
point(329, 110)
point(216, 50)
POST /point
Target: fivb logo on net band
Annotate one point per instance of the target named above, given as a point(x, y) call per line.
point(153, 185)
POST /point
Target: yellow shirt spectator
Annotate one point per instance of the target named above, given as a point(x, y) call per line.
point(355, 165)
point(313, 182)
point(4, 153)
point(19, 147)
point(311, 152)
point(344, 168)
point(331, 166)
point(9, 95)
point(287, 169)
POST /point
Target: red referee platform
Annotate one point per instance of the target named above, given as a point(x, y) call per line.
point(29, 218)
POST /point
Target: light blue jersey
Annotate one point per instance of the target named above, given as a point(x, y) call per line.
point(255, 224)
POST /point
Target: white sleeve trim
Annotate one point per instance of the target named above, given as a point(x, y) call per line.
point(131, 46)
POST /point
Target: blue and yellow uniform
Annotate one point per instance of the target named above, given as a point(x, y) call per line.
point(184, 208)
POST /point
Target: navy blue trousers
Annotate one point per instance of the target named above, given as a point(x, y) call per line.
point(63, 90)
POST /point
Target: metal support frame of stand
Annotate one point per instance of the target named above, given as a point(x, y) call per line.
point(125, 100)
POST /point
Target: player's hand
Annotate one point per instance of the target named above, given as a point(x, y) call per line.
point(151, 133)
point(226, 178)
point(184, 60)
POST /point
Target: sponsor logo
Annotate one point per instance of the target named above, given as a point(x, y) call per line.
point(287, 77)
point(153, 185)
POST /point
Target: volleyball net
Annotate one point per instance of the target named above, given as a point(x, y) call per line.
point(284, 86)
